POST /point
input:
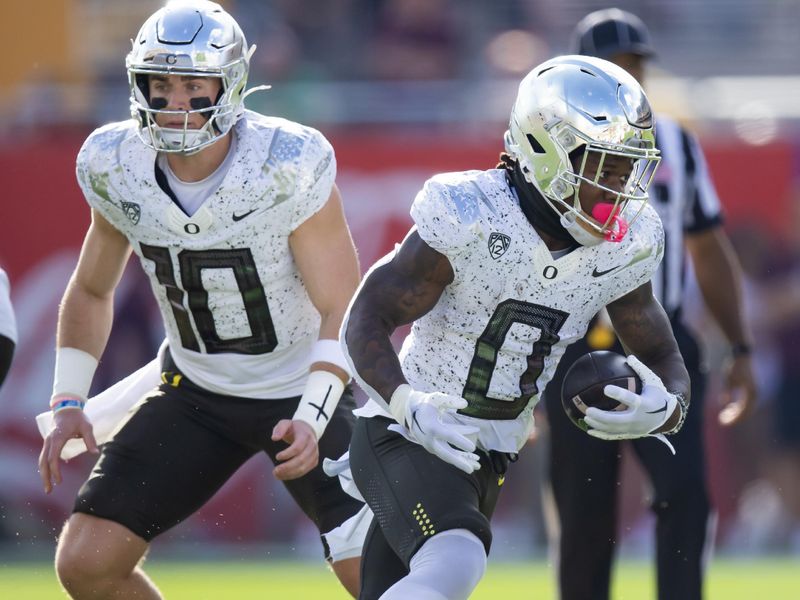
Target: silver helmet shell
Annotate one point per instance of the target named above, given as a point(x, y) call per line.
point(570, 102)
point(190, 38)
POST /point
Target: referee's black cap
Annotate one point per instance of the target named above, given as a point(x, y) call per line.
point(604, 33)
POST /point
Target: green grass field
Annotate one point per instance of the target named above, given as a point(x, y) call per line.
point(765, 579)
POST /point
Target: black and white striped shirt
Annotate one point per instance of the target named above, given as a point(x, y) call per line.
point(687, 202)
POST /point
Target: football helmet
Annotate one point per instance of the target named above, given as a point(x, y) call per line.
point(196, 38)
point(570, 103)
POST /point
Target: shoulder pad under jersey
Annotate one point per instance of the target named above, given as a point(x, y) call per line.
point(452, 209)
point(98, 159)
point(300, 158)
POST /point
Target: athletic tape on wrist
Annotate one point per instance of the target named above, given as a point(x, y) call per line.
point(330, 351)
point(73, 373)
point(319, 400)
point(399, 402)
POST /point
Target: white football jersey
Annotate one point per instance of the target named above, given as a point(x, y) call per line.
point(238, 318)
point(499, 329)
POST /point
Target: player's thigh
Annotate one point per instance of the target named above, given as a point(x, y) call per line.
point(319, 496)
point(164, 464)
point(413, 493)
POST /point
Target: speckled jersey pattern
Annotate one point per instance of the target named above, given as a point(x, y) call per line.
point(238, 319)
point(498, 331)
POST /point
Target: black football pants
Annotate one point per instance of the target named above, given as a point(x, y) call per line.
point(584, 475)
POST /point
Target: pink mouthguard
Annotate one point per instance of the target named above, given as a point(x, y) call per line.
point(618, 226)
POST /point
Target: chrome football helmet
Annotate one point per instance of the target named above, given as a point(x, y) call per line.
point(573, 102)
point(196, 38)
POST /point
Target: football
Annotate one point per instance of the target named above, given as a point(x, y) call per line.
point(588, 376)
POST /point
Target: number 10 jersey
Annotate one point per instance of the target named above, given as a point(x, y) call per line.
point(238, 318)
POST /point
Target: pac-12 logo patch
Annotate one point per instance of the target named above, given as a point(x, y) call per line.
point(498, 244)
point(132, 211)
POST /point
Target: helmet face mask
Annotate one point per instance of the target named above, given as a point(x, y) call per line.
point(194, 39)
point(574, 104)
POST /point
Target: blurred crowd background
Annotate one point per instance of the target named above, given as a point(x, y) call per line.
point(404, 89)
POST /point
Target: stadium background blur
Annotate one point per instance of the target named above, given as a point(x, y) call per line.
point(404, 89)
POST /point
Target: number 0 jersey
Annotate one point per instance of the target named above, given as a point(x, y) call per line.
point(499, 329)
point(238, 318)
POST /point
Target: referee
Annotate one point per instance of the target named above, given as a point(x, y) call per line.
point(583, 471)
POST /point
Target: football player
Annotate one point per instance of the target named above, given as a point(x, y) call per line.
point(503, 269)
point(238, 223)
point(584, 474)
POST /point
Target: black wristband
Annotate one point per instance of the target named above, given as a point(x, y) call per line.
point(740, 350)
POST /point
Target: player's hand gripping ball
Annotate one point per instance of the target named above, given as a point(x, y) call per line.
point(587, 378)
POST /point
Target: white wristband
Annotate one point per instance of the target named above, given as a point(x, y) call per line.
point(330, 351)
point(399, 401)
point(319, 400)
point(73, 374)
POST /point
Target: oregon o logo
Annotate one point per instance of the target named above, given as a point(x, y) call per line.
point(550, 272)
point(191, 228)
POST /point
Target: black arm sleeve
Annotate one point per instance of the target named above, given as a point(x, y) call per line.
point(6, 354)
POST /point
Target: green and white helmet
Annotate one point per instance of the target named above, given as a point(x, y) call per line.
point(573, 102)
point(195, 38)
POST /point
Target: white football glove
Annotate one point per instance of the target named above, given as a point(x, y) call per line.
point(645, 412)
point(429, 417)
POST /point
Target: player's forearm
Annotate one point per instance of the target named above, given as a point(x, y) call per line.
point(645, 331)
point(330, 324)
point(369, 344)
point(675, 377)
point(84, 320)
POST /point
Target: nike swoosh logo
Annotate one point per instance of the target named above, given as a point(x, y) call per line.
point(655, 412)
point(597, 273)
point(641, 254)
point(243, 215)
point(414, 419)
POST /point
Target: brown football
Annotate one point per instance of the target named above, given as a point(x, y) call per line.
point(587, 378)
